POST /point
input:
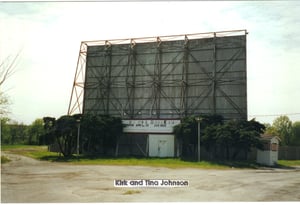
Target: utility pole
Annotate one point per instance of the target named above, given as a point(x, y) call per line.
point(78, 133)
point(198, 119)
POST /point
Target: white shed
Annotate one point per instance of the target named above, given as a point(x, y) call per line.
point(269, 154)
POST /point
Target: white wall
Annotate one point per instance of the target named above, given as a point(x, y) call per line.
point(161, 145)
point(263, 157)
point(269, 156)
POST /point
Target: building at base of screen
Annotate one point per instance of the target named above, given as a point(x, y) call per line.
point(153, 82)
point(149, 138)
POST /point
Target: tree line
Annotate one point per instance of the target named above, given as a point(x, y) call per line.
point(13, 132)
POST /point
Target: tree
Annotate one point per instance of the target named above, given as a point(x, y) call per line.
point(113, 133)
point(295, 134)
point(49, 131)
point(66, 134)
point(230, 137)
point(209, 139)
point(35, 132)
point(17, 132)
point(91, 135)
point(246, 135)
point(210, 126)
point(225, 135)
point(270, 130)
point(4, 103)
point(5, 131)
point(186, 133)
point(97, 133)
point(13, 132)
point(100, 133)
point(7, 69)
point(283, 127)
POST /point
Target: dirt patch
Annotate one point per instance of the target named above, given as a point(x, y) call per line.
point(27, 180)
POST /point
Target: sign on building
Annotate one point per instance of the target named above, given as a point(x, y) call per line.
point(149, 126)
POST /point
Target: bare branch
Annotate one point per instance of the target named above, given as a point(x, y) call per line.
point(7, 68)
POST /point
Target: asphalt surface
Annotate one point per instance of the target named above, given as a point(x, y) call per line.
point(27, 180)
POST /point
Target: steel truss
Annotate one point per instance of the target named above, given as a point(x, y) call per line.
point(175, 80)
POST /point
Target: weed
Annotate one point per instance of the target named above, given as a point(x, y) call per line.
point(129, 192)
point(4, 159)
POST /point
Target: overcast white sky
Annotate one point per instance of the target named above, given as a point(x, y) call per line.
point(49, 35)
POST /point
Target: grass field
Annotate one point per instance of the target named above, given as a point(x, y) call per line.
point(41, 153)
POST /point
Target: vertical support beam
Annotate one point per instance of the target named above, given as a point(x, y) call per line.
point(117, 147)
point(184, 79)
point(108, 59)
point(214, 78)
point(76, 99)
point(130, 79)
point(157, 78)
point(199, 143)
point(246, 104)
point(147, 146)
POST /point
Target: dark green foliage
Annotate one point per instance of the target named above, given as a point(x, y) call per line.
point(49, 128)
point(36, 132)
point(66, 134)
point(17, 133)
point(229, 138)
point(5, 132)
point(186, 133)
point(209, 138)
point(209, 120)
point(288, 132)
point(13, 132)
point(296, 134)
point(245, 134)
point(91, 131)
point(98, 134)
point(283, 128)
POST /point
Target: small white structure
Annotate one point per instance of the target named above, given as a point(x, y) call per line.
point(269, 154)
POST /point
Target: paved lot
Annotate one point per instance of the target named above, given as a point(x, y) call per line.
point(27, 180)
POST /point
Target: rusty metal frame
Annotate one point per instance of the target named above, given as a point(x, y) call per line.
point(77, 94)
point(212, 80)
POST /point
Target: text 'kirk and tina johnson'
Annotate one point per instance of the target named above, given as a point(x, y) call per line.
point(151, 183)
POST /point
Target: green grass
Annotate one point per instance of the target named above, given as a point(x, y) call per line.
point(4, 159)
point(37, 152)
point(153, 162)
point(132, 161)
point(288, 163)
point(41, 153)
point(14, 147)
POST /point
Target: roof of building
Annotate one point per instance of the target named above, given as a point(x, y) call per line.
point(269, 137)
